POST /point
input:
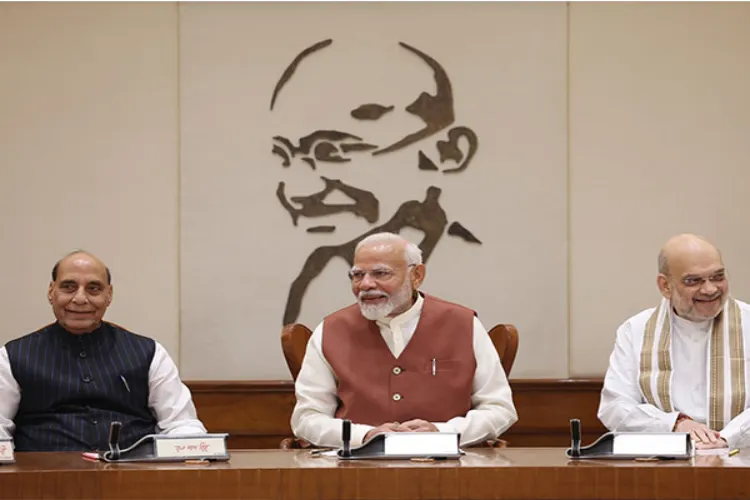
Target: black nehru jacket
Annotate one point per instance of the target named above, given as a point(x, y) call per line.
point(74, 386)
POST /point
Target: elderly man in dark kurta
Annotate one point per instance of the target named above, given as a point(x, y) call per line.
point(63, 385)
point(399, 360)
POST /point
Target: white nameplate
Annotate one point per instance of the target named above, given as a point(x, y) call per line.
point(421, 443)
point(6, 451)
point(654, 444)
point(406, 445)
point(190, 447)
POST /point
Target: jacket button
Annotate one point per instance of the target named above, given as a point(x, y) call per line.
point(86, 378)
point(397, 397)
point(396, 370)
point(82, 354)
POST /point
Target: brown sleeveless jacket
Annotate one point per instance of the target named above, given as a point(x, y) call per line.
point(374, 387)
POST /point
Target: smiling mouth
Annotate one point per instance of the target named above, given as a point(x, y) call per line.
point(707, 301)
point(373, 299)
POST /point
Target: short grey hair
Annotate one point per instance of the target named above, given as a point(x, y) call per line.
point(77, 251)
point(413, 254)
point(663, 263)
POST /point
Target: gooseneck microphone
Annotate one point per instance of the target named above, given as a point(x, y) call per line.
point(114, 440)
point(575, 437)
point(346, 436)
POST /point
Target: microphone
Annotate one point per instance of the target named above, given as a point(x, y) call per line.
point(346, 436)
point(575, 437)
point(114, 440)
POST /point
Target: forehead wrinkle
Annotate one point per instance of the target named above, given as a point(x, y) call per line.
point(381, 267)
point(376, 267)
point(703, 274)
point(85, 281)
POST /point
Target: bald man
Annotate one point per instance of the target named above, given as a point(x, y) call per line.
point(682, 366)
point(399, 360)
point(63, 385)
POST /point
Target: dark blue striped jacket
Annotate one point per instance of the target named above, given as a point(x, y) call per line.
point(74, 386)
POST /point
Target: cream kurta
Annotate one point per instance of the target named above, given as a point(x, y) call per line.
point(313, 417)
point(623, 406)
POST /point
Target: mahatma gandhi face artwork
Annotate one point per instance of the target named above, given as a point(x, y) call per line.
point(331, 156)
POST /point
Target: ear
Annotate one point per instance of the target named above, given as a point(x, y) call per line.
point(664, 286)
point(49, 291)
point(452, 148)
point(109, 296)
point(418, 274)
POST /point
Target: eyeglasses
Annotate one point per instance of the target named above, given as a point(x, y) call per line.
point(379, 275)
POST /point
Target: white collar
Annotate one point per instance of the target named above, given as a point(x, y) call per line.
point(691, 328)
point(414, 311)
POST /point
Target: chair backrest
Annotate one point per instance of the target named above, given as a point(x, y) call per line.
point(505, 339)
point(294, 339)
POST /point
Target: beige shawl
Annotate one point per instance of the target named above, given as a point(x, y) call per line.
point(726, 364)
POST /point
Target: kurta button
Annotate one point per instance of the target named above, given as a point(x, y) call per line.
point(397, 397)
point(82, 354)
point(87, 378)
point(396, 370)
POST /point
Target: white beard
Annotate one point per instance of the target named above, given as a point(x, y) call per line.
point(375, 312)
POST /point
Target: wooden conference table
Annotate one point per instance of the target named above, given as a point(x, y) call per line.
point(534, 473)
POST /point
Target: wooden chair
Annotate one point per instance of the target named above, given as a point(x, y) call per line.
point(294, 339)
point(505, 340)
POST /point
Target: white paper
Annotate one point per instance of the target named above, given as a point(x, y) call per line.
point(6, 450)
point(327, 453)
point(713, 451)
point(421, 443)
point(650, 444)
point(187, 447)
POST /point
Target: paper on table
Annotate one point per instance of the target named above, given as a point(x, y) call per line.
point(326, 453)
point(714, 451)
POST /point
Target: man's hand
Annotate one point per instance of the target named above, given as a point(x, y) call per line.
point(387, 427)
point(417, 425)
point(704, 437)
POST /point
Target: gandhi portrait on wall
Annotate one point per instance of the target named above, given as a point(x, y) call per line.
point(332, 156)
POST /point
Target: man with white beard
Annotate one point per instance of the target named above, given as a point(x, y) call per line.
point(399, 360)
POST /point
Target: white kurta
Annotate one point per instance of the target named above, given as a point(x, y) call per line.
point(168, 398)
point(622, 406)
point(492, 410)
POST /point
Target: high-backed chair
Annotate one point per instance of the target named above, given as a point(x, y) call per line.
point(294, 339)
point(505, 340)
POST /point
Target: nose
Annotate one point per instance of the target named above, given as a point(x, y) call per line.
point(80, 296)
point(709, 288)
point(368, 282)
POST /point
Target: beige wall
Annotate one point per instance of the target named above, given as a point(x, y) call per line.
point(89, 157)
point(659, 127)
point(604, 128)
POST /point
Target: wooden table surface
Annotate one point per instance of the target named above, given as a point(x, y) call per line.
point(530, 473)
